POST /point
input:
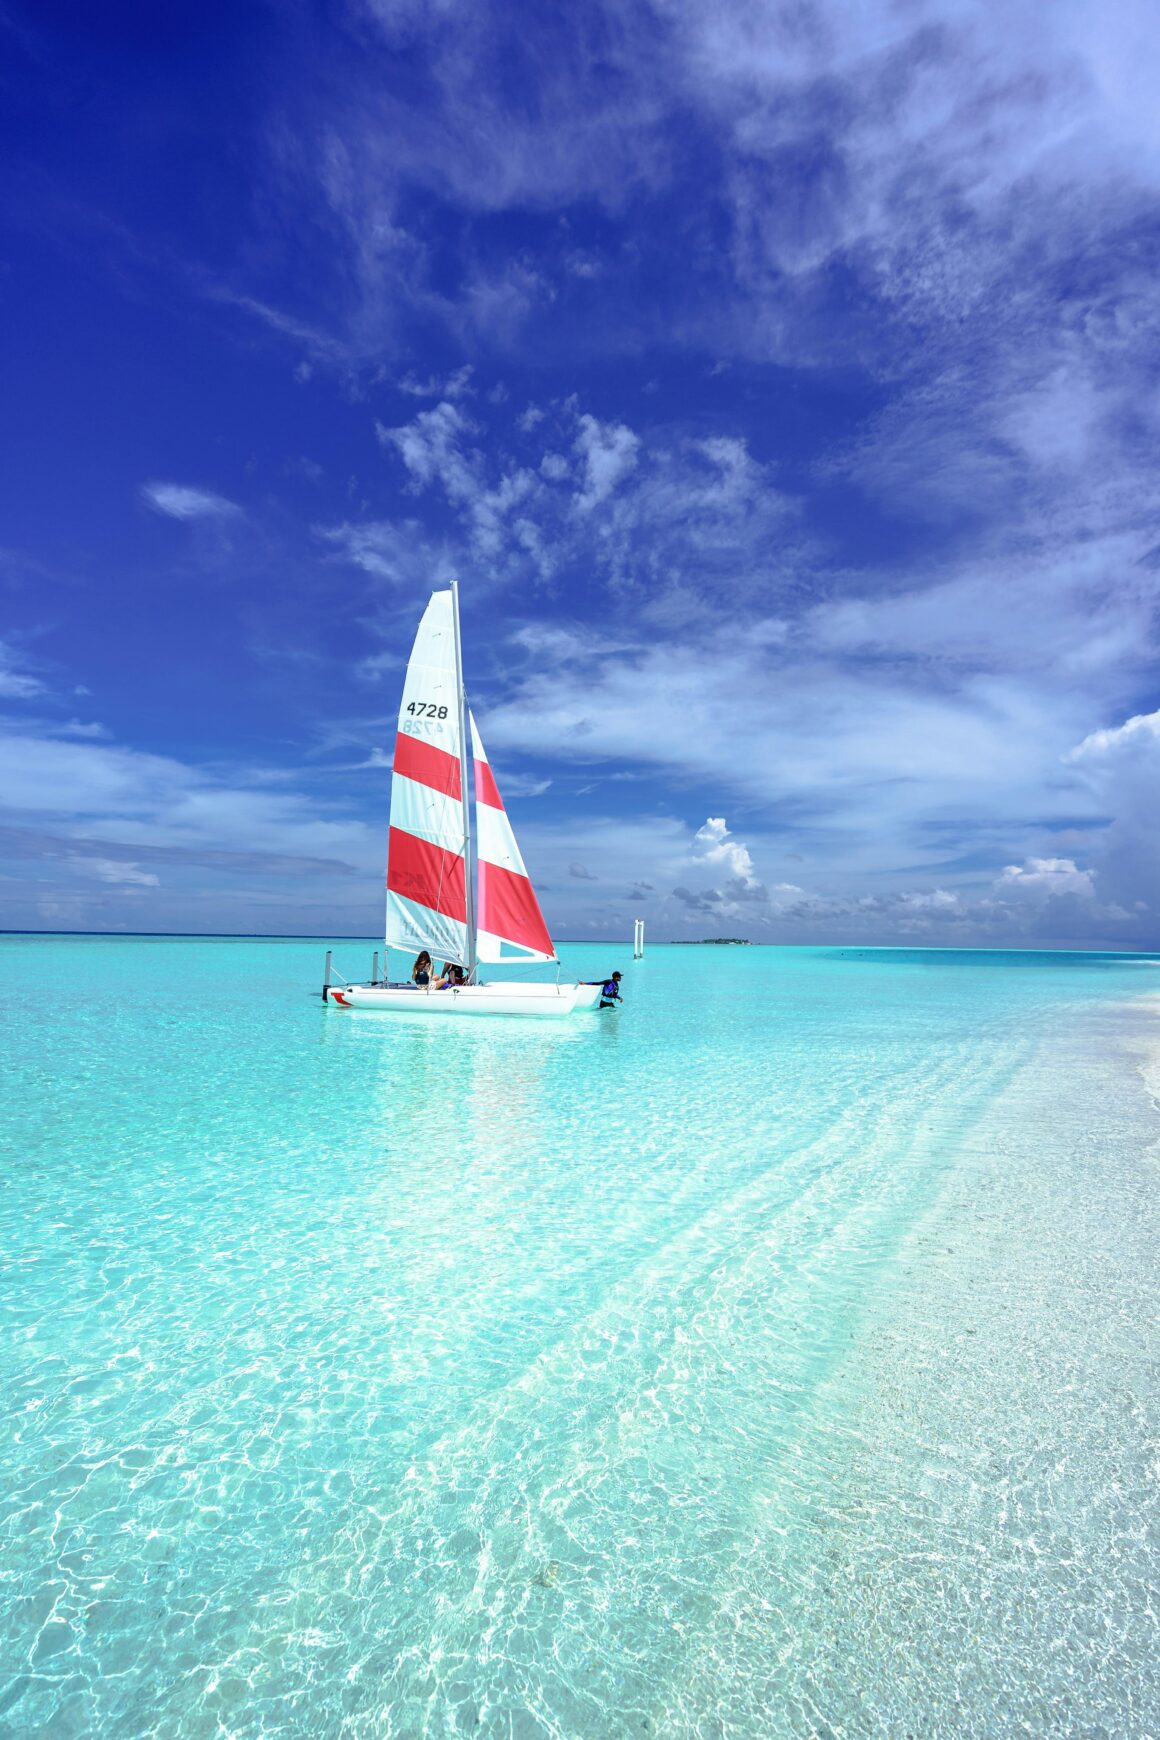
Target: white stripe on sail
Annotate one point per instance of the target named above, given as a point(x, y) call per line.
point(418, 810)
point(494, 840)
point(429, 709)
point(428, 713)
point(492, 948)
point(412, 927)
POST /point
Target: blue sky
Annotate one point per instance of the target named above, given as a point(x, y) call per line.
point(781, 381)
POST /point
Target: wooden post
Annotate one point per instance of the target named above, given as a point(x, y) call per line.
point(375, 969)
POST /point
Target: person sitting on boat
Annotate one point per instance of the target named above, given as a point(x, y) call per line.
point(421, 971)
point(452, 977)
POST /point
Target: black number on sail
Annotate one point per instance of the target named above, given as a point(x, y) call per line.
point(426, 709)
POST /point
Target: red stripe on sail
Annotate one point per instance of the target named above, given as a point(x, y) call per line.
point(426, 874)
point(421, 761)
point(508, 908)
point(486, 790)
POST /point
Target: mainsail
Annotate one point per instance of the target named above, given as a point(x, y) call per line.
point(510, 923)
point(426, 879)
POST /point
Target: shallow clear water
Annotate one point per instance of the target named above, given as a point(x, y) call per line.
point(773, 1356)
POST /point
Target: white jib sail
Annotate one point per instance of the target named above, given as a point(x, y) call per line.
point(426, 874)
point(509, 923)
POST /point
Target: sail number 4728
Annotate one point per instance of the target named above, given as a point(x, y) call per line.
point(426, 710)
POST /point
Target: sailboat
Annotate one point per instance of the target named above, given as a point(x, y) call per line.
point(457, 885)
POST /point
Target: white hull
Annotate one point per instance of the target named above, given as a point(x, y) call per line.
point(503, 998)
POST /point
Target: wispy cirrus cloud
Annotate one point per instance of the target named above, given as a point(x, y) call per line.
point(398, 552)
point(17, 682)
point(118, 871)
point(244, 846)
point(183, 501)
point(856, 772)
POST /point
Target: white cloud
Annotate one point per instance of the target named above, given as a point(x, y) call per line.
point(1141, 731)
point(702, 508)
point(123, 794)
point(524, 785)
point(1048, 876)
point(866, 769)
point(397, 552)
point(114, 871)
point(181, 501)
point(491, 510)
point(715, 845)
point(430, 449)
point(608, 452)
point(935, 900)
point(1120, 768)
point(433, 449)
point(454, 386)
point(862, 749)
point(82, 728)
point(16, 684)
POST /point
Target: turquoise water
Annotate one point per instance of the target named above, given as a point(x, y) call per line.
point(773, 1356)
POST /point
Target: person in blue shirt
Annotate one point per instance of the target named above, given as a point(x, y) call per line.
point(609, 990)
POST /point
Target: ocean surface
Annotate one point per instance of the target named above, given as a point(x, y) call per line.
point(777, 1355)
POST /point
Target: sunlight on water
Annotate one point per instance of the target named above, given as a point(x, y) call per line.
point(776, 1355)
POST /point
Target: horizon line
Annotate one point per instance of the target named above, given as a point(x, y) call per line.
point(603, 942)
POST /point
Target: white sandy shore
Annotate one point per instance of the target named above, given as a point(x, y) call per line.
point(986, 1568)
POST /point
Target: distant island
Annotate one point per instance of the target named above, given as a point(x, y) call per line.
point(704, 942)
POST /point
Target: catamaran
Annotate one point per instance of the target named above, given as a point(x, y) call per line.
point(457, 886)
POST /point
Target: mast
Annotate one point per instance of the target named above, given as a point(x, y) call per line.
point(468, 842)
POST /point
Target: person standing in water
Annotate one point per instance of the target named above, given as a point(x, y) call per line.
point(609, 990)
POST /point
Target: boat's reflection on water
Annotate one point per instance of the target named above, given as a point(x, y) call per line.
point(485, 1086)
point(466, 1143)
point(491, 1098)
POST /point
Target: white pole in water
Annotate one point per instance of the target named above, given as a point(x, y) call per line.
point(375, 969)
point(640, 921)
point(326, 975)
point(468, 868)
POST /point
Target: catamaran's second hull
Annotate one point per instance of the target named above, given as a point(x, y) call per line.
point(543, 1001)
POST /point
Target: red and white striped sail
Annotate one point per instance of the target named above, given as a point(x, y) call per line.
point(426, 882)
point(508, 919)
